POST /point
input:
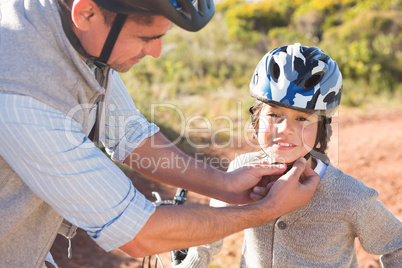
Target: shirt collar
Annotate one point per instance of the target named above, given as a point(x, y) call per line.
point(320, 168)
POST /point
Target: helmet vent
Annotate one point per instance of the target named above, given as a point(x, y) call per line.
point(329, 97)
point(323, 58)
point(312, 81)
point(275, 71)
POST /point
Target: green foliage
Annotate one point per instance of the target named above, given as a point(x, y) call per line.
point(368, 48)
point(207, 73)
point(247, 21)
point(280, 36)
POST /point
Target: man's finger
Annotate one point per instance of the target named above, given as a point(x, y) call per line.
point(263, 168)
point(311, 178)
point(259, 192)
point(297, 170)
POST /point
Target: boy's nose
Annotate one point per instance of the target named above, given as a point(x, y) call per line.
point(283, 125)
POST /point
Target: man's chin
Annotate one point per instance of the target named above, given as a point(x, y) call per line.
point(122, 68)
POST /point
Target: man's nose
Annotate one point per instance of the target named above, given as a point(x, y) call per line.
point(153, 48)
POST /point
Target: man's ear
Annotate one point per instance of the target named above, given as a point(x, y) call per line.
point(84, 13)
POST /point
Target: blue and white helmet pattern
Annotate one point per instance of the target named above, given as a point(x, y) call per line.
point(299, 76)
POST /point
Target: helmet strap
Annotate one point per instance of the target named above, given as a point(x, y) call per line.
point(111, 39)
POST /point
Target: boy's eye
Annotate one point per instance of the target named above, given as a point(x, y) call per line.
point(302, 119)
point(273, 115)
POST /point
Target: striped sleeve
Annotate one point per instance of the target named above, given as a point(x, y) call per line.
point(76, 179)
point(125, 126)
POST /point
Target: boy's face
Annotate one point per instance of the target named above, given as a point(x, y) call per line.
point(286, 134)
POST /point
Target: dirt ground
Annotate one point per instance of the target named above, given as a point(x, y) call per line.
point(367, 146)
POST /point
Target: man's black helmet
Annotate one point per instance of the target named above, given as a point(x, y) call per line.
point(191, 15)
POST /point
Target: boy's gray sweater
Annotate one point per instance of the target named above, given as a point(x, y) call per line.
point(321, 234)
point(37, 60)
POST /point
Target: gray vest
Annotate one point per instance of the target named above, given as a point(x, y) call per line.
point(28, 225)
point(31, 35)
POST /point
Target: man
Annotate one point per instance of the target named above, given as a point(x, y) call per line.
point(59, 96)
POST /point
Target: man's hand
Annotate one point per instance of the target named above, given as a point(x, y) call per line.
point(263, 187)
point(293, 189)
point(266, 183)
point(240, 182)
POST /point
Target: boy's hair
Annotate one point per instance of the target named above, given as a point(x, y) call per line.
point(324, 129)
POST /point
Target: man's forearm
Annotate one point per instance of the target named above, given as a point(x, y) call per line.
point(158, 159)
point(176, 227)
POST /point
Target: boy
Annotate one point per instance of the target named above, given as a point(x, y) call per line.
point(298, 90)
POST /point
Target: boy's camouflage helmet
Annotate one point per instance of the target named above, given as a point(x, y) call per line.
point(299, 76)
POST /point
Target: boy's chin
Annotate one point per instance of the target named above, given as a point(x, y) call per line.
point(284, 160)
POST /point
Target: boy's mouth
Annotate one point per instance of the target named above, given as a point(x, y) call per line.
point(283, 145)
